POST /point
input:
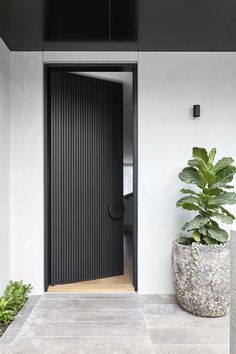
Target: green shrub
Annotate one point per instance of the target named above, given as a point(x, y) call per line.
point(212, 180)
point(13, 299)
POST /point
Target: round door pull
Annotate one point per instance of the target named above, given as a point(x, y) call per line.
point(116, 209)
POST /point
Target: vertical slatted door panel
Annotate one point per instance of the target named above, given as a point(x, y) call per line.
point(86, 176)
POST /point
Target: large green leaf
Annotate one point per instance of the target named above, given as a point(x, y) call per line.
point(222, 163)
point(203, 231)
point(190, 206)
point(188, 191)
point(224, 218)
point(188, 199)
point(200, 153)
point(209, 167)
point(225, 211)
point(209, 177)
point(212, 207)
point(193, 163)
point(209, 241)
point(212, 155)
point(224, 198)
point(214, 223)
point(196, 236)
point(218, 234)
point(213, 191)
point(201, 165)
point(196, 223)
point(225, 176)
point(190, 175)
point(187, 203)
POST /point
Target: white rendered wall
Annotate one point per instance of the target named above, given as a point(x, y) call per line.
point(26, 183)
point(26, 211)
point(168, 85)
point(4, 165)
point(89, 57)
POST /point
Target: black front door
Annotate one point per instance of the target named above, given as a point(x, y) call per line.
point(86, 177)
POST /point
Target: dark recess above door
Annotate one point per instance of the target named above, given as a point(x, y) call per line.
point(122, 25)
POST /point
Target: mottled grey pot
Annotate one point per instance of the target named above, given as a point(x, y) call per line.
point(202, 278)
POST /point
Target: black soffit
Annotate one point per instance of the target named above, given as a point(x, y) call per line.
point(122, 25)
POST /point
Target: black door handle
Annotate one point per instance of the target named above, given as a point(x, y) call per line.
point(116, 209)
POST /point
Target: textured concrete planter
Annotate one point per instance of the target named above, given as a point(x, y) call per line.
point(202, 278)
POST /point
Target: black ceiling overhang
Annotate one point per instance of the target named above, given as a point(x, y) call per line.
point(107, 25)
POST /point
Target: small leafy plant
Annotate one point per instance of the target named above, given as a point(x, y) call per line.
point(212, 180)
point(13, 299)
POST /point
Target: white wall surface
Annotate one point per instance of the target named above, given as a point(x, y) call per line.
point(168, 85)
point(4, 165)
point(26, 183)
point(89, 57)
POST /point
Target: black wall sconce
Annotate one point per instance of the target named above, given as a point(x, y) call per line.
point(196, 110)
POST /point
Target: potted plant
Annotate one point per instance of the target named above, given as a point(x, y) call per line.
point(201, 255)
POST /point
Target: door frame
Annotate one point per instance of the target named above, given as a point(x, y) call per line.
point(119, 67)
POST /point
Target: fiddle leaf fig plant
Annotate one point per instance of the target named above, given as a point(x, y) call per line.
point(208, 199)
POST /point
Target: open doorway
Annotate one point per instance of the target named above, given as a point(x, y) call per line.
point(90, 246)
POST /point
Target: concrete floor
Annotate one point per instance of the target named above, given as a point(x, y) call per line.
point(114, 323)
